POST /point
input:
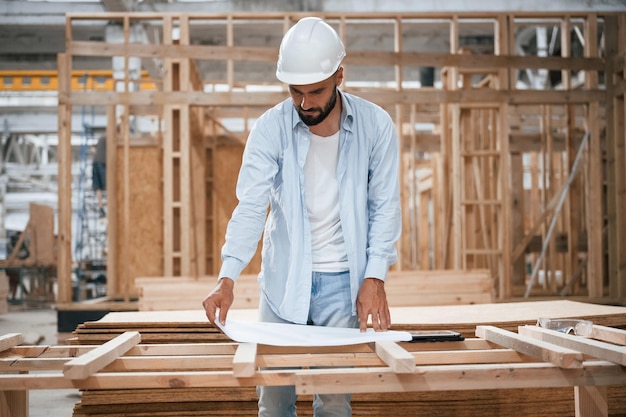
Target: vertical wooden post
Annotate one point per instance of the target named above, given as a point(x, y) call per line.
point(186, 197)
point(620, 161)
point(571, 144)
point(616, 158)
point(124, 276)
point(404, 243)
point(505, 39)
point(64, 156)
point(113, 265)
point(457, 233)
point(441, 185)
point(169, 84)
point(593, 197)
point(14, 403)
point(591, 401)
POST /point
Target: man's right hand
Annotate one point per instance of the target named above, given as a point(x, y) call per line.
point(220, 298)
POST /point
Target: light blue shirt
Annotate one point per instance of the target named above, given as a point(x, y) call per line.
point(272, 173)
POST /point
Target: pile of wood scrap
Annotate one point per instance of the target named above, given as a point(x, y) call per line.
point(404, 288)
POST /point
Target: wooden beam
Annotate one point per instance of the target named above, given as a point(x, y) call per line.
point(382, 98)
point(91, 362)
point(64, 157)
point(244, 361)
point(231, 53)
point(10, 340)
point(114, 266)
point(609, 334)
point(397, 358)
point(556, 355)
point(597, 349)
point(14, 403)
point(21, 382)
point(593, 193)
point(456, 377)
point(590, 402)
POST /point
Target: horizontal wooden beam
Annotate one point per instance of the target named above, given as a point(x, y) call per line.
point(25, 382)
point(459, 377)
point(384, 97)
point(487, 63)
point(186, 358)
point(295, 16)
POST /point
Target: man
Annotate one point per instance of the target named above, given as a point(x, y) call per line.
point(99, 172)
point(326, 162)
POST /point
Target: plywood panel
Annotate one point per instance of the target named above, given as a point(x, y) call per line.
point(227, 162)
point(146, 214)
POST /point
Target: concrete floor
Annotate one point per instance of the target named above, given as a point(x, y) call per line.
point(39, 326)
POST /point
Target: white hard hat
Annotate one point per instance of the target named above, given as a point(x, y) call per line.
point(310, 52)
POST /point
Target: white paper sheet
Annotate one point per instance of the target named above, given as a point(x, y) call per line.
point(279, 334)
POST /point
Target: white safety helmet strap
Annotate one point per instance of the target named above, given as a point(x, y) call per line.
point(310, 52)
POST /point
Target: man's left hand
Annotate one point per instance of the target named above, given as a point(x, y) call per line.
point(372, 301)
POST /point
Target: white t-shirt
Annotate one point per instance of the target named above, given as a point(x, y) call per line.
point(322, 202)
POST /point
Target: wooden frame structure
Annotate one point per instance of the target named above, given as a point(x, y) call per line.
point(497, 360)
point(487, 141)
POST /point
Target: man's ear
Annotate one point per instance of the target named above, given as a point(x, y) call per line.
point(339, 76)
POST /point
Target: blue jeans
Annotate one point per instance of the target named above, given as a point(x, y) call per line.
point(330, 306)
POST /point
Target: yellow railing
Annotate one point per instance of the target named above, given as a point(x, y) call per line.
point(47, 80)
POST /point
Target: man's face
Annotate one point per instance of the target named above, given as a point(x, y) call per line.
point(314, 102)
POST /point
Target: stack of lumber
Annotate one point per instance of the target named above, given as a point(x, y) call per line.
point(226, 402)
point(439, 287)
point(193, 327)
point(186, 293)
point(4, 292)
point(404, 288)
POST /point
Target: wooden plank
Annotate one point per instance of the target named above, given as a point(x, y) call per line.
point(10, 340)
point(593, 193)
point(403, 288)
point(14, 403)
point(383, 98)
point(591, 402)
point(597, 349)
point(397, 358)
point(457, 377)
point(113, 252)
point(429, 378)
point(21, 382)
point(89, 363)
point(41, 221)
point(244, 361)
point(64, 158)
point(397, 57)
point(554, 354)
point(609, 334)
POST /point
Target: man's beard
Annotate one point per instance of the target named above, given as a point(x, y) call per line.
point(319, 114)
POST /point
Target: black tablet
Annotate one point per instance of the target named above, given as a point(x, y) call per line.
point(436, 336)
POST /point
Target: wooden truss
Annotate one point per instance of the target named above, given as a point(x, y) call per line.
point(497, 359)
point(470, 170)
